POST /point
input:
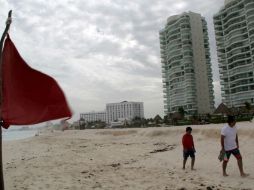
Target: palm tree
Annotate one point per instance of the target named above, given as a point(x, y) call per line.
point(247, 107)
point(181, 111)
point(166, 119)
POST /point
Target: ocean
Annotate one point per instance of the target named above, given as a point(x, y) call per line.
point(11, 135)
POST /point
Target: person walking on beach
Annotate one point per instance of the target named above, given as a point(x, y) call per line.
point(188, 148)
point(230, 145)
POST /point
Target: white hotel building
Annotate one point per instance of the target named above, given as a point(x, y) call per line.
point(124, 110)
point(186, 65)
point(93, 116)
point(234, 30)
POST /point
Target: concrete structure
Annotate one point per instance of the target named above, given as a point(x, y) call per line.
point(124, 111)
point(227, 1)
point(234, 29)
point(186, 65)
point(93, 116)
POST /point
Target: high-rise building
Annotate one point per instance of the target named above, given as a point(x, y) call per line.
point(124, 110)
point(93, 116)
point(234, 30)
point(186, 65)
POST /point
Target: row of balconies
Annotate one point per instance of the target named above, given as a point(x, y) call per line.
point(239, 69)
point(240, 76)
point(236, 26)
point(241, 82)
point(236, 45)
point(242, 96)
point(238, 52)
point(251, 31)
point(242, 34)
point(248, 2)
point(249, 6)
point(173, 43)
point(250, 17)
point(174, 31)
point(183, 103)
point(238, 65)
point(176, 80)
point(242, 88)
point(239, 57)
point(229, 8)
point(236, 32)
point(173, 37)
point(180, 101)
point(176, 23)
point(230, 21)
point(175, 51)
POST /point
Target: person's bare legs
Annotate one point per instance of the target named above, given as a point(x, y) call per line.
point(240, 165)
point(184, 163)
point(192, 163)
point(224, 167)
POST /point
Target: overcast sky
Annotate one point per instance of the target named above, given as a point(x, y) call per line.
point(102, 51)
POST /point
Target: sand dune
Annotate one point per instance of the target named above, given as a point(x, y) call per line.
point(121, 159)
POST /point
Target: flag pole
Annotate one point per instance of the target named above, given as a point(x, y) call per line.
point(8, 23)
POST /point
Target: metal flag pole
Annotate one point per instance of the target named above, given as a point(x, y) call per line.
point(8, 23)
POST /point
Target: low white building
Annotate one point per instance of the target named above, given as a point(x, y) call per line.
point(93, 116)
point(124, 110)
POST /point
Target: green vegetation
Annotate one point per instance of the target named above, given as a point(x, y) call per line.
point(181, 117)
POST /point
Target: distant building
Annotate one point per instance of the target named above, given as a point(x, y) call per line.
point(93, 116)
point(186, 65)
point(234, 30)
point(124, 111)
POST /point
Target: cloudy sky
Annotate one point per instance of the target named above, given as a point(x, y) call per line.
point(101, 51)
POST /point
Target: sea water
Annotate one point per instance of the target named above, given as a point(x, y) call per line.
point(10, 135)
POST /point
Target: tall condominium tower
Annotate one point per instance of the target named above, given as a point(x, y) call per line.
point(234, 29)
point(186, 65)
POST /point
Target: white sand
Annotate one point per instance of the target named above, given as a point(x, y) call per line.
point(121, 159)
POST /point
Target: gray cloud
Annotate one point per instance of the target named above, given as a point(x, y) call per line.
point(101, 51)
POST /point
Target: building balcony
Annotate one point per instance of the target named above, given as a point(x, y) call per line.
point(236, 45)
point(234, 20)
point(162, 37)
point(163, 56)
point(249, 12)
point(249, 6)
point(240, 60)
point(251, 21)
point(238, 33)
point(222, 72)
point(175, 52)
point(235, 27)
point(237, 54)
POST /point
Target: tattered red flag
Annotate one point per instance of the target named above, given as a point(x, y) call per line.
point(29, 96)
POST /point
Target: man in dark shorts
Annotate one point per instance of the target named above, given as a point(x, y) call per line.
point(230, 145)
point(188, 148)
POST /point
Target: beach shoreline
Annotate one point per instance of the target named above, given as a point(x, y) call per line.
point(139, 158)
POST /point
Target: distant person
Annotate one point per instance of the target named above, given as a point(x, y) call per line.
point(188, 148)
point(230, 145)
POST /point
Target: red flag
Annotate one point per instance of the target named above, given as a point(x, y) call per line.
point(29, 96)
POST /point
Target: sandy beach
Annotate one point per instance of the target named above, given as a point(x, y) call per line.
point(136, 159)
